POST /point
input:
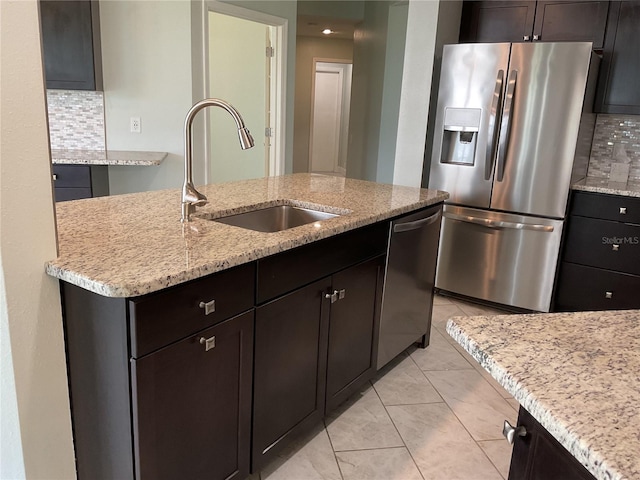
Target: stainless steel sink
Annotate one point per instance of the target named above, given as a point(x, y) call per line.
point(275, 219)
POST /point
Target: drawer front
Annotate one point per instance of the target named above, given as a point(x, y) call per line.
point(159, 319)
point(287, 271)
point(608, 207)
point(71, 193)
point(603, 244)
point(72, 176)
point(583, 288)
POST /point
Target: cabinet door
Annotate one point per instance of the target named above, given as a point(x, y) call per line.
point(539, 456)
point(353, 329)
point(290, 368)
point(497, 21)
point(571, 21)
point(69, 29)
point(618, 90)
point(192, 405)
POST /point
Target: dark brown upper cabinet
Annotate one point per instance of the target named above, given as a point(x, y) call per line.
point(71, 44)
point(618, 90)
point(549, 21)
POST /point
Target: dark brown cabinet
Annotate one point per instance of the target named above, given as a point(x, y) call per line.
point(539, 456)
point(600, 263)
point(315, 345)
point(618, 90)
point(71, 44)
point(290, 368)
point(150, 406)
point(73, 182)
point(192, 405)
point(353, 331)
point(549, 21)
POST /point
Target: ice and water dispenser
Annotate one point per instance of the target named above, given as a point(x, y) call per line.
point(460, 135)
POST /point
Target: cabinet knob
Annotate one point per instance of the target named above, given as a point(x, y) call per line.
point(510, 432)
point(608, 294)
point(526, 38)
point(209, 343)
point(55, 177)
point(209, 307)
point(334, 296)
point(623, 210)
point(341, 294)
point(615, 247)
point(536, 38)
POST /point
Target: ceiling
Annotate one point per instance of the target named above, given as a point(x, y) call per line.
point(312, 26)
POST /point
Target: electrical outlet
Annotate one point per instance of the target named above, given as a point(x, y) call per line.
point(135, 125)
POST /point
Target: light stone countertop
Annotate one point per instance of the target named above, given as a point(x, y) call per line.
point(603, 185)
point(106, 157)
point(130, 245)
point(578, 374)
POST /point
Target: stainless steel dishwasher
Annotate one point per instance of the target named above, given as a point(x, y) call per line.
point(409, 281)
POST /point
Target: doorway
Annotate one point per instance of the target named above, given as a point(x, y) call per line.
point(244, 65)
point(331, 93)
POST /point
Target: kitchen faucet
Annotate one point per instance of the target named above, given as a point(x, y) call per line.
point(191, 198)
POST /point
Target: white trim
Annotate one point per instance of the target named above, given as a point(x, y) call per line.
point(277, 159)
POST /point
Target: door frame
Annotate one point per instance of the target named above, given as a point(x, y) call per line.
point(200, 81)
point(315, 61)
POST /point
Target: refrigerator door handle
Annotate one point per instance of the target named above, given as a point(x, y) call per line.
point(492, 137)
point(485, 222)
point(423, 222)
point(505, 126)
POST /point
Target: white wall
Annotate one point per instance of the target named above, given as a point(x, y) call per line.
point(35, 437)
point(146, 59)
point(420, 46)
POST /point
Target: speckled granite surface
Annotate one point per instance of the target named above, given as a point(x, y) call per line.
point(108, 157)
point(129, 245)
point(578, 374)
point(603, 185)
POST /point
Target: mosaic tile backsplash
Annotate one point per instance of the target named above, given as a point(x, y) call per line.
point(616, 140)
point(76, 120)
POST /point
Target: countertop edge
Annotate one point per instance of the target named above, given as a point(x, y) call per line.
point(107, 158)
point(594, 463)
point(108, 289)
point(597, 185)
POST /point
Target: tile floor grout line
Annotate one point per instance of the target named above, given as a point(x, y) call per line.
point(335, 457)
point(488, 457)
point(406, 447)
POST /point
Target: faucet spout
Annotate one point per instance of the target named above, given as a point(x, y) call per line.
point(191, 197)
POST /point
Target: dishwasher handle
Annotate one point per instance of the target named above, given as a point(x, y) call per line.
point(485, 222)
point(423, 222)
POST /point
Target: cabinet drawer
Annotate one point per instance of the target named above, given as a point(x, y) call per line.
point(608, 207)
point(287, 271)
point(161, 318)
point(603, 244)
point(72, 176)
point(583, 288)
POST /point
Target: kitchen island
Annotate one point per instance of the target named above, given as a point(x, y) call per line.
point(200, 349)
point(577, 374)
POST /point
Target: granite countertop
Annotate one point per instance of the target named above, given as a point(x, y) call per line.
point(603, 185)
point(578, 374)
point(106, 157)
point(129, 245)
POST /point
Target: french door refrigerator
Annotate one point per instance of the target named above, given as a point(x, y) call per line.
point(508, 122)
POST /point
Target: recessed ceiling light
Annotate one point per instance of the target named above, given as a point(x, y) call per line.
point(327, 31)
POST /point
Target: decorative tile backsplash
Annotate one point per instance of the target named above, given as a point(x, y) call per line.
point(616, 140)
point(76, 119)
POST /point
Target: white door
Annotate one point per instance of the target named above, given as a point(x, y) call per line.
point(330, 117)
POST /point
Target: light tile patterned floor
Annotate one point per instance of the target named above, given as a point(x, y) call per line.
point(429, 415)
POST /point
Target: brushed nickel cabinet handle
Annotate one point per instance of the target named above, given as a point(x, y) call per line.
point(615, 247)
point(208, 307)
point(608, 294)
point(510, 432)
point(209, 343)
point(623, 210)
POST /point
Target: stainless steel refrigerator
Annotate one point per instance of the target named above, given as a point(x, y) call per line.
point(512, 132)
